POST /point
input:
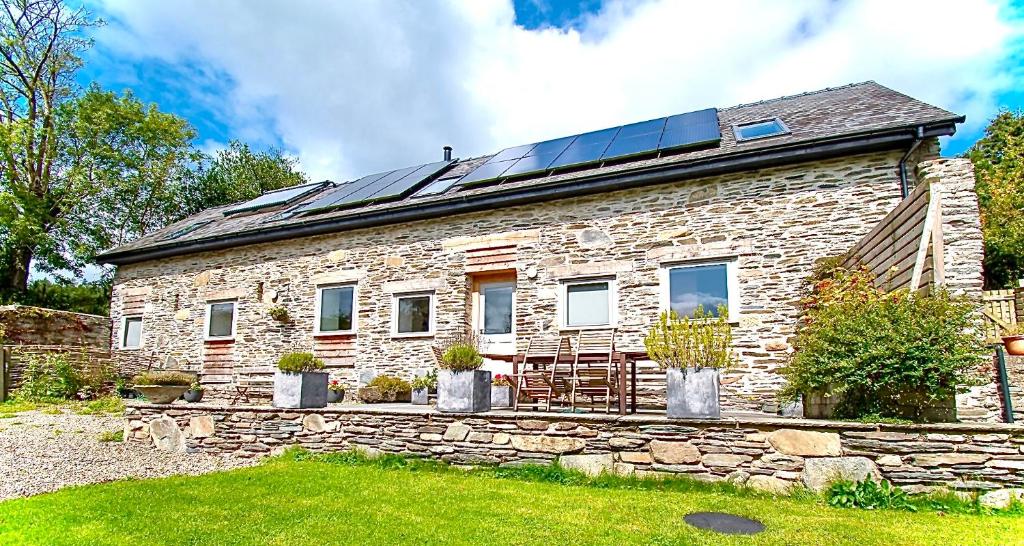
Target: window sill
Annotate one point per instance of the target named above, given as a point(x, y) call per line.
point(339, 333)
point(139, 348)
point(412, 335)
point(219, 339)
point(566, 328)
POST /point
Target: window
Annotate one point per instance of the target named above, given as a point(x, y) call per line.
point(761, 129)
point(220, 320)
point(181, 232)
point(588, 303)
point(708, 284)
point(414, 314)
point(131, 333)
point(336, 309)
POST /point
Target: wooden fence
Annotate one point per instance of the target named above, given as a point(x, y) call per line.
point(1001, 308)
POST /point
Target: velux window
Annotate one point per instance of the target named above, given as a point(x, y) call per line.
point(709, 285)
point(413, 314)
point(587, 303)
point(131, 333)
point(760, 129)
point(220, 320)
point(336, 309)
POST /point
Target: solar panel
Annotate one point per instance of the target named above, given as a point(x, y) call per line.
point(374, 187)
point(691, 128)
point(512, 153)
point(487, 171)
point(642, 128)
point(438, 186)
point(625, 147)
point(362, 194)
point(276, 197)
point(531, 164)
point(401, 187)
point(580, 155)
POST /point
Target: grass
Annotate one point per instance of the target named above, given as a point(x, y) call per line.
point(302, 499)
point(105, 405)
point(112, 436)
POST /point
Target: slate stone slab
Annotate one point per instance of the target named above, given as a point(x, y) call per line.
point(724, 523)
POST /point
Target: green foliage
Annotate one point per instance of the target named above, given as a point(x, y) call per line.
point(299, 363)
point(390, 385)
point(461, 357)
point(869, 495)
point(877, 349)
point(112, 436)
point(701, 341)
point(104, 405)
point(428, 381)
point(56, 376)
point(92, 298)
point(196, 386)
point(165, 378)
point(999, 170)
point(278, 313)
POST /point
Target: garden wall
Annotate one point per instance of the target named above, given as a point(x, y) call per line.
point(771, 454)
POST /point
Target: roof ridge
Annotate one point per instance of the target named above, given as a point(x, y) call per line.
point(797, 95)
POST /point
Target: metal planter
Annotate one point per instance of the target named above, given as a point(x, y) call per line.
point(693, 394)
point(463, 392)
point(300, 390)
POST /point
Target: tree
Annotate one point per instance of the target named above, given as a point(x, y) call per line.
point(999, 169)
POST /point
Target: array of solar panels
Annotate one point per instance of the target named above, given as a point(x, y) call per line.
point(276, 198)
point(662, 134)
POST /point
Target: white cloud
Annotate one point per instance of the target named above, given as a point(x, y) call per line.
point(351, 87)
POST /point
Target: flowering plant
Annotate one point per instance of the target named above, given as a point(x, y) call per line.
point(501, 380)
point(336, 386)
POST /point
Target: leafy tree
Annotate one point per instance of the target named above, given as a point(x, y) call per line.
point(999, 168)
point(93, 298)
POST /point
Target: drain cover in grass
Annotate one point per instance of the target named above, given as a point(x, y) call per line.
point(724, 523)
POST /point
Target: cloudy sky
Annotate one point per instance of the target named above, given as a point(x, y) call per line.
point(351, 87)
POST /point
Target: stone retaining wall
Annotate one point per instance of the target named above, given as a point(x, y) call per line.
point(771, 454)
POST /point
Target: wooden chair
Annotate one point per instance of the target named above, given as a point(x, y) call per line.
point(541, 375)
point(253, 383)
point(595, 371)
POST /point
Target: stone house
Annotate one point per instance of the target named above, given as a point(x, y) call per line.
point(729, 206)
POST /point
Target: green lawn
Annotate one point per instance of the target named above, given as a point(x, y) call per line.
point(287, 501)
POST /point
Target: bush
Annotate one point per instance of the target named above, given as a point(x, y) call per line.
point(874, 349)
point(461, 357)
point(868, 494)
point(278, 313)
point(49, 376)
point(299, 363)
point(389, 385)
point(165, 378)
point(702, 341)
point(428, 381)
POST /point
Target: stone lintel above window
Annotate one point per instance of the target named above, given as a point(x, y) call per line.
point(339, 277)
point(229, 294)
point(412, 285)
point(590, 269)
point(727, 251)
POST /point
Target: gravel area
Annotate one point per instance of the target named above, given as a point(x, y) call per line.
point(42, 452)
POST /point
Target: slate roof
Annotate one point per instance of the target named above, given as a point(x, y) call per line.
point(834, 114)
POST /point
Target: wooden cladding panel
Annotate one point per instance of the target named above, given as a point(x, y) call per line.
point(133, 304)
point(491, 259)
point(218, 361)
point(336, 351)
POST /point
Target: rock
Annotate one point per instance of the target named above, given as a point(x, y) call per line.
point(369, 395)
point(737, 477)
point(635, 457)
point(769, 484)
point(166, 435)
point(480, 437)
point(430, 437)
point(201, 426)
point(591, 465)
point(548, 444)
point(756, 437)
point(1002, 498)
point(619, 442)
point(724, 459)
point(674, 452)
point(890, 460)
point(532, 424)
point(945, 459)
point(565, 425)
point(991, 437)
point(819, 473)
point(314, 422)
point(776, 461)
point(501, 438)
point(806, 443)
point(456, 432)
point(623, 469)
point(1012, 464)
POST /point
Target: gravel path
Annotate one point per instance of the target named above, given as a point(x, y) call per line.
point(42, 452)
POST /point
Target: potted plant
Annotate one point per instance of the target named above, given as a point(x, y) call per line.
point(278, 313)
point(461, 385)
point(299, 383)
point(194, 392)
point(1013, 339)
point(385, 388)
point(501, 391)
point(691, 351)
point(335, 391)
point(421, 387)
point(162, 387)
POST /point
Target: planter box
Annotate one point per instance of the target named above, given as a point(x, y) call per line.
point(820, 404)
point(300, 390)
point(463, 392)
point(911, 405)
point(161, 394)
point(501, 397)
point(693, 394)
point(420, 397)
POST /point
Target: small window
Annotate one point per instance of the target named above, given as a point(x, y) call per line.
point(131, 333)
point(336, 309)
point(761, 129)
point(220, 320)
point(708, 285)
point(181, 232)
point(414, 314)
point(588, 304)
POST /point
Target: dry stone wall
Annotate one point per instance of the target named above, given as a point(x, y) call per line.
point(774, 454)
point(775, 223)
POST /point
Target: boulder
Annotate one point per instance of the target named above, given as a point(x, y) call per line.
point(548, 444)
point(314, 422)
point(591, 465)
point(948, 459)
point(635, 457)
point(1002, 498)
point(725, 459)
point(500, 438)
point(201, 426)
point(821, 472)
point(806, 443)
point(532, 424)
point(769, 484)
point(890, 460)
point(457, 432)
point(166, 435)
point(674, 452)
point(620, 442)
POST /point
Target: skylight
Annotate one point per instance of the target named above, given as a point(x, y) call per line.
point(760, 129)
point(185, 230)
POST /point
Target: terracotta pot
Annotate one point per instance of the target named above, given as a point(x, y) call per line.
point(1014, 345)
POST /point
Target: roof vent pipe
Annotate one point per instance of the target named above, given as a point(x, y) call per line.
point(447, 153)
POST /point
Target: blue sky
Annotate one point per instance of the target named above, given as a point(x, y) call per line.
point(353, 87)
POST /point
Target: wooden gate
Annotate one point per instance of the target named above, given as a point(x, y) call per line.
point(1000, 312)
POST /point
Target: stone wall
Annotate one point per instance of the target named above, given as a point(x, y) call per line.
point(772, 454)
point(775, 223)
point(24, 325)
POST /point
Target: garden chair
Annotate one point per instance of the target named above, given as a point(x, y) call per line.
point(595, 371)
point(253, 383)
point(542, 377)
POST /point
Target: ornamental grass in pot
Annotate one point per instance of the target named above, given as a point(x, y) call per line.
point(299, 382)
point(1013, 339)
point(692, 350)
point(163, 386)
point(462, 387)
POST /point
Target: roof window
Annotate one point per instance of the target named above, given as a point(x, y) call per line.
point(760, 129)
point(181, 232)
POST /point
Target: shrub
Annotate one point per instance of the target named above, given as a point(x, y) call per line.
point(874, 348)
point(389, 385)
point(196, 386)
point(868, 494)
point(278, 313)
point(106, 405)
point(428, 381)
point(336, 386)
point(702, 341)
point(112, 436)
point(299, 363)
point(49, 376)
point(501, 380)
point(165, 378)
point(461, 357)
